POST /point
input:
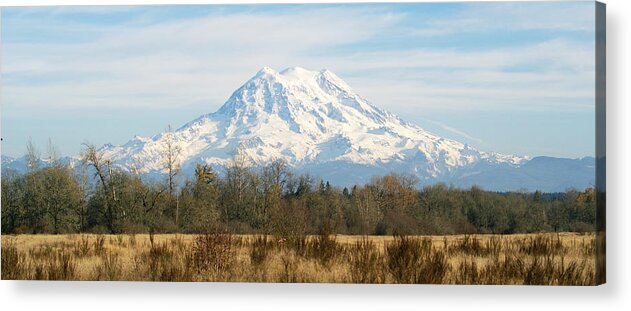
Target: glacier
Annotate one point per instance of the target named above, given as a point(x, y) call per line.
point(319, 125)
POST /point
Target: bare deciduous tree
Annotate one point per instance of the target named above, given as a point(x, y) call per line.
point(237, 177)
point(32, 156)
point(94, 158)
point(171, 158)
point(52, 154)
point(172, 165)
point(103, 170)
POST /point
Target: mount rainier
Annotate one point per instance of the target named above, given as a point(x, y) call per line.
point(319, 125)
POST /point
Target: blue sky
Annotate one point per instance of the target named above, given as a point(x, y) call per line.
point(513, 77)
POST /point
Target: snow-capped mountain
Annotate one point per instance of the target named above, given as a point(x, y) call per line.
point(318, 124)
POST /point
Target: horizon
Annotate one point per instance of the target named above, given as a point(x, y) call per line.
point(454, 73)
point(282, 72)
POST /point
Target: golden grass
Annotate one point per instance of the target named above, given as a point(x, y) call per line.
point(555, 259)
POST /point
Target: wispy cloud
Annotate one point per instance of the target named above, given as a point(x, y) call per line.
point(151, 58)
point(517, 16)
point(184, 62)
point(455, 131)
point(174, 63)
point(555, 75)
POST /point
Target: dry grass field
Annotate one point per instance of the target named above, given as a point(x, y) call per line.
point(551, 259)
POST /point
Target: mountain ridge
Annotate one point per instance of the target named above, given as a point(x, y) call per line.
point(318, 124)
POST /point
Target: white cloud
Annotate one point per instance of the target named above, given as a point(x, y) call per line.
point(549, 76)
point(455, 131)
point(481, 17)
point(178, 62)
point(66, 64)
point(202, 60)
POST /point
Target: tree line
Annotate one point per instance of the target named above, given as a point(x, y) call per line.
point(99, 197)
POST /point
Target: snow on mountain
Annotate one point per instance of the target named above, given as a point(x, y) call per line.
point(304, 117)
point(319, 125)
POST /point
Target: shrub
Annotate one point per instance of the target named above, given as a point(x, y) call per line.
point(542, 244)
point(14, 266)
point(506, 271)
point(134, 228)
point(494, 246)
point(260, 249)
point(120, 240)
point(81, 248)
point(110, 268)
point(60, 266)
point(582, 227)
point(22, 229)
point(289, 273)
point(434, 268)
point(381, 228)
point(99, 229)
point(416, 261)
point(165, 266)
point(575, 273)
point(403, 255)
point(323, 248)
point(366, 263)
point(213, 252)
point(99, 244)
point(539, 271)
point(298, 243)
point(468, 272)
point(132, 240)
point(469, 245)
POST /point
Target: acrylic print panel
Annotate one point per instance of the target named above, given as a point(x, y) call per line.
point(424, 143)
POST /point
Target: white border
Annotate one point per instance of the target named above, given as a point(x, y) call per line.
point(21, 295)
